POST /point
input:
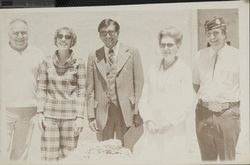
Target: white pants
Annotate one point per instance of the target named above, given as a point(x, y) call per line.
point(168, 147)
point(19, 131)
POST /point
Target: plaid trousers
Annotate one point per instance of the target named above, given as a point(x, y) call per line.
point(58, 139)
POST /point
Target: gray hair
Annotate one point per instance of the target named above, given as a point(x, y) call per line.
point(17, 20)
point(173, 32)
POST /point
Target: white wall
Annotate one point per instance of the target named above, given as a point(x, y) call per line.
point(138, 28)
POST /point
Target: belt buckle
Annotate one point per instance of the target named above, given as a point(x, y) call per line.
point(218, 107)
point(215, 106)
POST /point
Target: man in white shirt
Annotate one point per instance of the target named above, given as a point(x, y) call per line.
point(216, 80)
point(20, 68)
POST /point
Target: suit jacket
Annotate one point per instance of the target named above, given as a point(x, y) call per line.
point(129, 84)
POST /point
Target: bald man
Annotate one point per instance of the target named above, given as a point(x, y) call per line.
point(20, 69)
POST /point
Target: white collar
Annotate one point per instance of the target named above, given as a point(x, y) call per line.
point(115, 48)
point(17, 52)
point(220, 52)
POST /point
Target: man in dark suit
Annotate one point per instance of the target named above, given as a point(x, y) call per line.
point(114, 85)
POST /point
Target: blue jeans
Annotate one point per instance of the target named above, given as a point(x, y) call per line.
point(18, 131)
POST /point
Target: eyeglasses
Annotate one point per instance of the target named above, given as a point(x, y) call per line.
point(67, 37)
point(169, 45)
point(105, 33)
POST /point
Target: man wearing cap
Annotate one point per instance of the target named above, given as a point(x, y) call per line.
point(217, 83)
point(114, 85)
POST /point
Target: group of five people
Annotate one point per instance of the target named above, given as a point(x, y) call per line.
point(57, 88)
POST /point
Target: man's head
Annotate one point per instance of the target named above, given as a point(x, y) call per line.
point(216, 32)
point(18, 34)
point(109, 31)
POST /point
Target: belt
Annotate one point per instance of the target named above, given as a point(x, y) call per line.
point(217, 106)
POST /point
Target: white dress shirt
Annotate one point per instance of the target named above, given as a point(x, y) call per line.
point(224, 85)
point(115, 49)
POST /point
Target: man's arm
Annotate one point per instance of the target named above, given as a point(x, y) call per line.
point(90, 88)
point(196, 73)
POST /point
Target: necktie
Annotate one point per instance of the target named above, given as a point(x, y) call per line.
point(111, 57)
point(215, 61)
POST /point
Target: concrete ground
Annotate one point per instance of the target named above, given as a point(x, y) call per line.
point(193, 156)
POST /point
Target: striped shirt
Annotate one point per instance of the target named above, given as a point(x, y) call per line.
point(61, 88)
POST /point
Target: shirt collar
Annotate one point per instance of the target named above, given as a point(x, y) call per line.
point(67, 63)
point(20, 52)
point(220, 52)
point(115, 48)
point(164, 68)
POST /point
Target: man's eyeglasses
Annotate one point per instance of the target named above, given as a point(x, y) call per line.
point(67, 37)
point(105, 33)
point(169, 45)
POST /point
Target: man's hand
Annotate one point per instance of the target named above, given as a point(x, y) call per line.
point(41, 121)
point(137, 120)
point(78, 125)
point(93, 126)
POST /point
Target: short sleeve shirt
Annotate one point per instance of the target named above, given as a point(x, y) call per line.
point(222, 82)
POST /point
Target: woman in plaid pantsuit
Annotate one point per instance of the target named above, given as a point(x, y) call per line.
point(61, 89)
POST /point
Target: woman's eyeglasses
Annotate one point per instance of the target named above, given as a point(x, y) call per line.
point(169, 45)
point(67, 37)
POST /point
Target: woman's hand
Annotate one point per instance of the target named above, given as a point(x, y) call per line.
point(165, 128)
point(152, 127)
point(41, 121)
point(78, 125)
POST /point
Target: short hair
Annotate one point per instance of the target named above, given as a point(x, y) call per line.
point(72, 34)
point(18, 20)
point(173, 32)
point(106, 22)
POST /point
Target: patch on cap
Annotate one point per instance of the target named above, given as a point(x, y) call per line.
point(215, 23)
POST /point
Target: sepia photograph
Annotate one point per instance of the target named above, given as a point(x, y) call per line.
point(128, 84)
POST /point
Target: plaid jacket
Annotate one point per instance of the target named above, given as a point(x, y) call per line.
point(61, 88)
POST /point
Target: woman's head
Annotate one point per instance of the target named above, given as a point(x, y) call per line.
point(65, 38)
point(170, 40)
